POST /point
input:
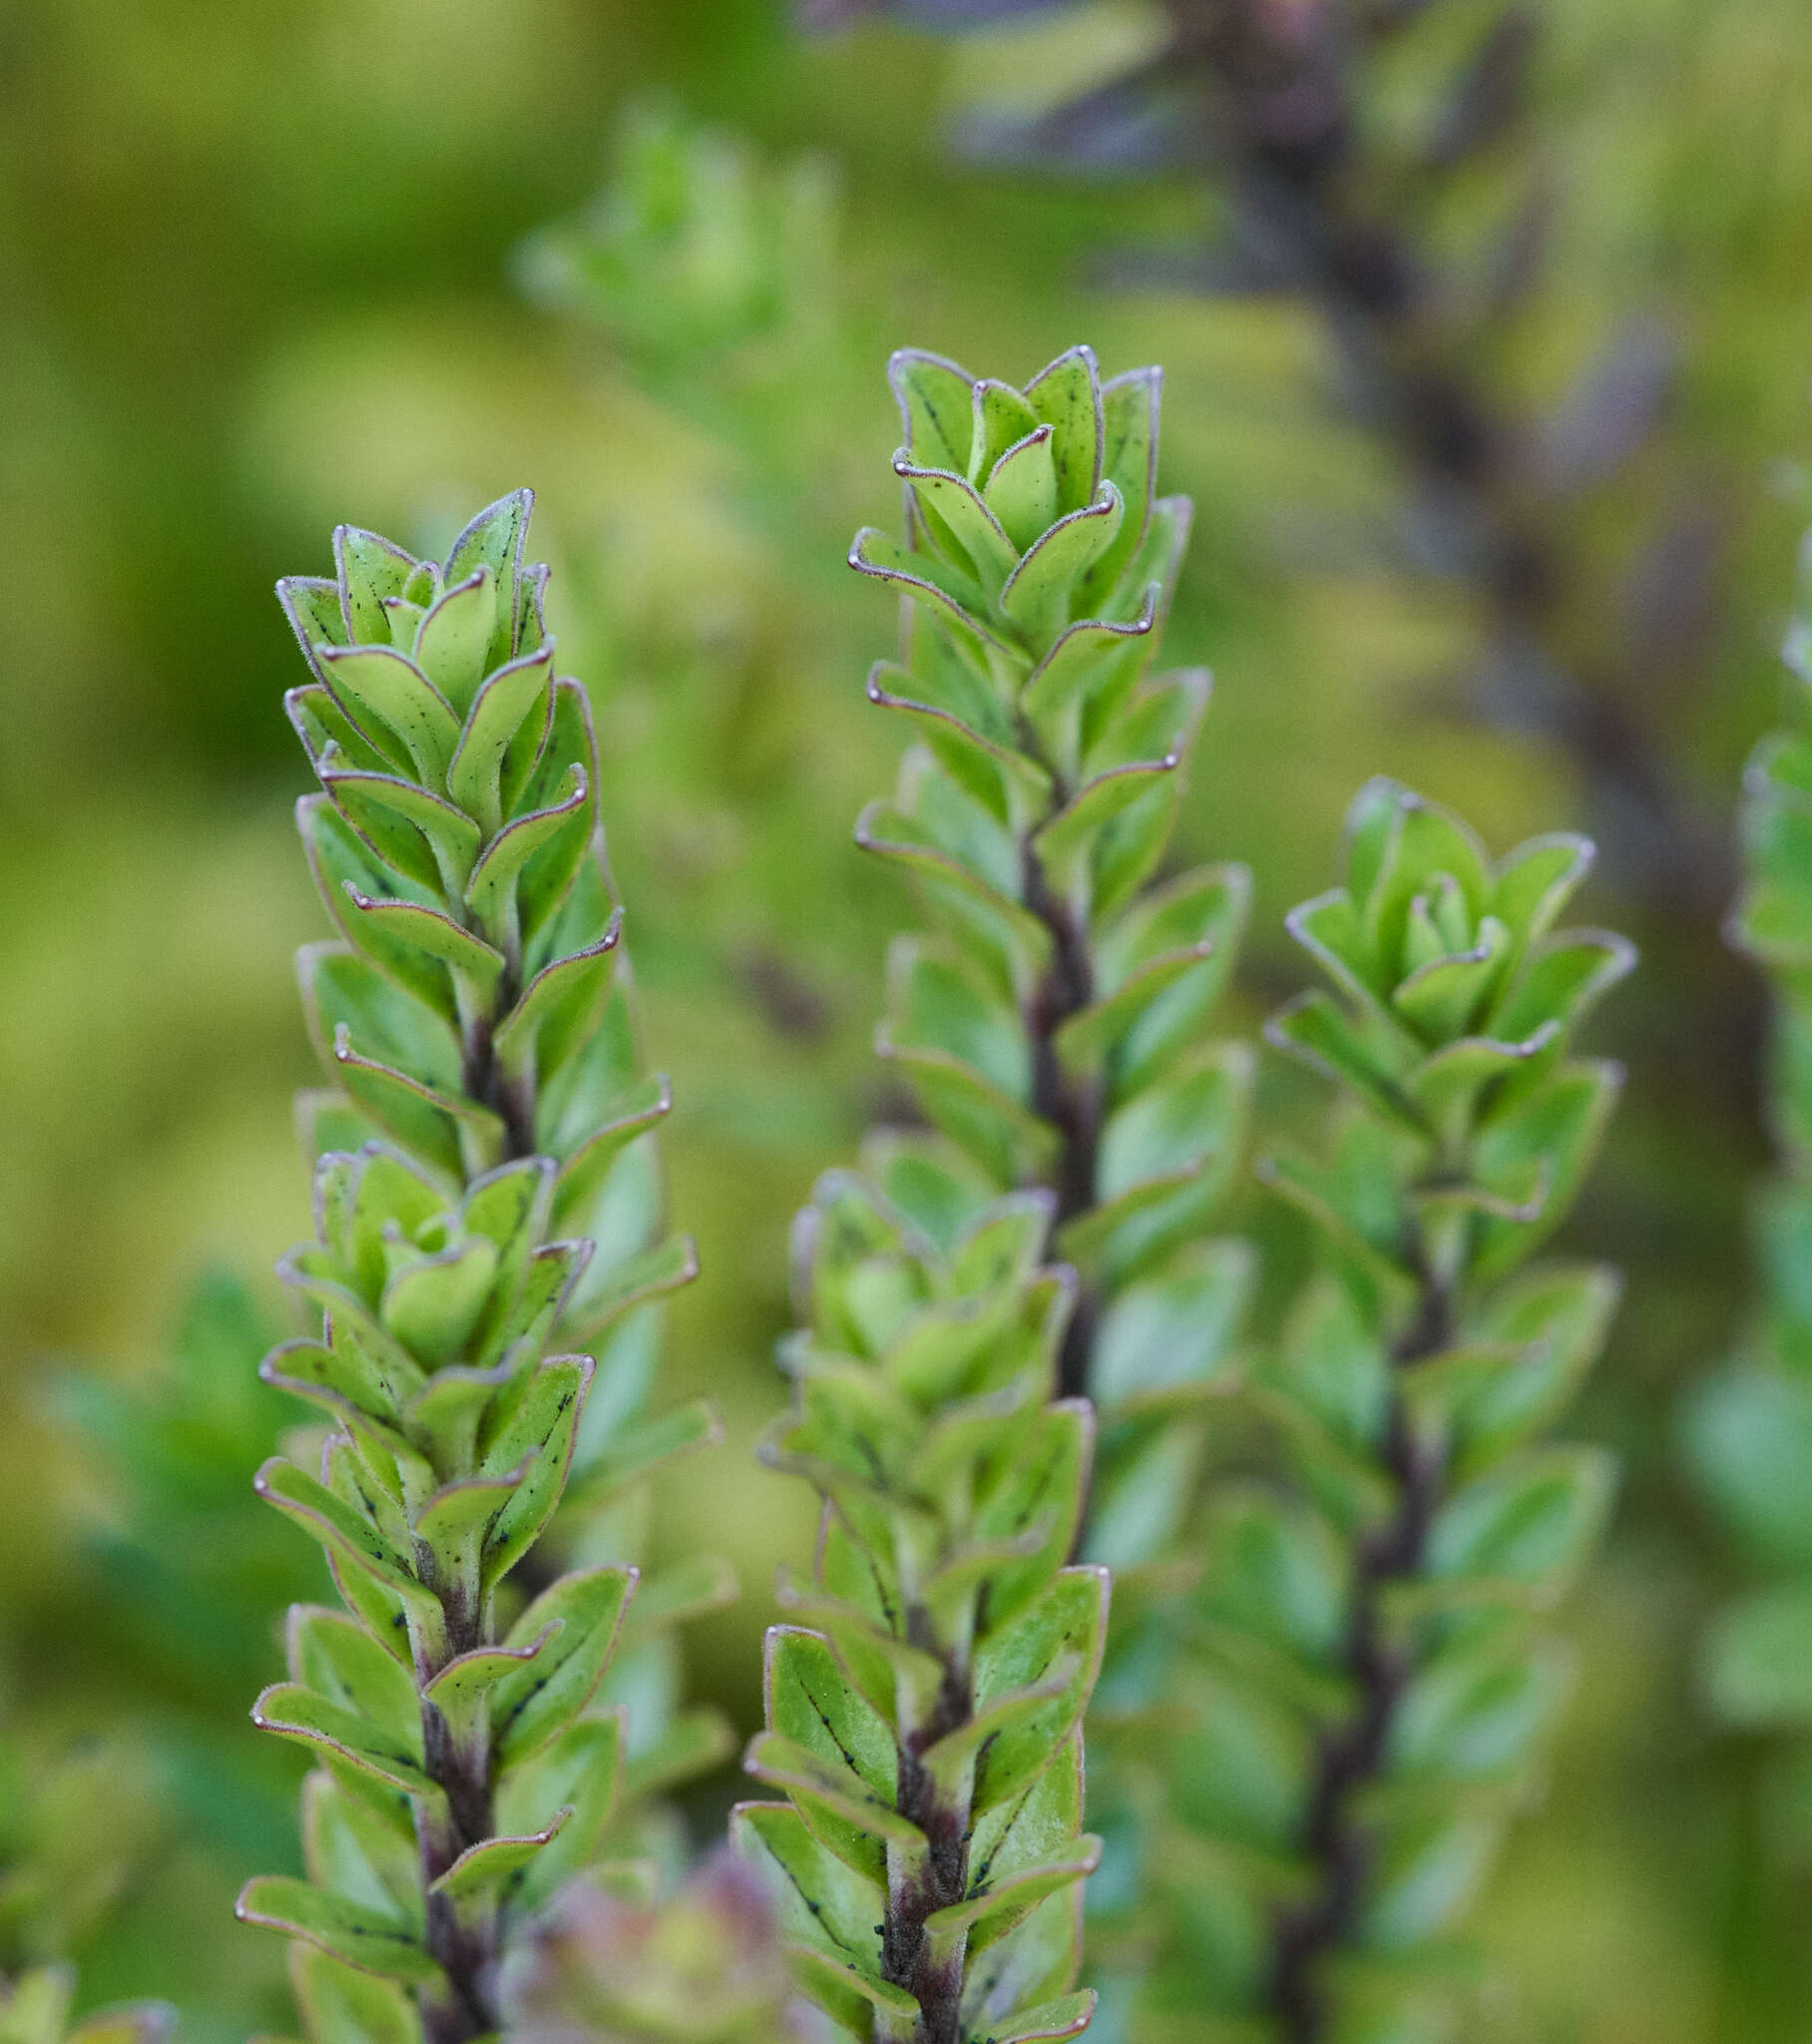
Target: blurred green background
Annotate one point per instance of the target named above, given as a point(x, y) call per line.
point(262, 270)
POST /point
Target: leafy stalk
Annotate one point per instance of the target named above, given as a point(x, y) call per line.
point(484, 1203)
point(1749, 1428)
point(1382, 1680)
point(1050, 1021)
point(925, 1723)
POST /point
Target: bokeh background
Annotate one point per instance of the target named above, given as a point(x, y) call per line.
point(269, 265)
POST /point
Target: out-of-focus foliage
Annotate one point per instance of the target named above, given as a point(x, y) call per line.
point(184, 1566)
point(704, 1966)
point(35, 2009)
point(74, 1829)
point(1749, 1428)
point(250, 281)
point(1377, 1682)
point(692, 248)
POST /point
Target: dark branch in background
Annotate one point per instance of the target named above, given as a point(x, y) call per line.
point(1264, 95)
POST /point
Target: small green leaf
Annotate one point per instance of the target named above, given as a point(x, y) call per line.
point(1440, 999)
point(358, 1934)
point(485, 1873)
point(431, 931)
point(1535, 882)
point(580, 1771)
point(453, 643)
point(1041, 591)
point(313, 606)
point(1085, 657)
point(821, 1900)
point(996, 1908)
point(688, 1590)
point(465, 1683)
point(543, 1425)
point(935, 399)
point(384, 691)
point(370, 568)
point(345, 866)
point(1068, 839)
point(433, 1304)
point(810, 1704)
point(339, 2005)
point(648, 1274)
point(1060, 1633)
point(1275, 1570)
point(1478, 1713)
point(292, 1712)
point(1176, 1327)
point(512, 698)
point(973, 528)
point(1749, 1433)
point(494, 540)
point(1021, 493)
point(1068, 395)
point(1314, 1029)
point(1068, 2015)
point(539, 1698)
point(1130, 408)
point(850, 1819)
point(368, 799)
point(874, 553)
point(547, 881)
point(458, 1518)
point(489, 892)
point(1430, 1870)
point(1556, 1129)
point(1563, 980)
point(1529, 1523)
point(1176, 1127)
point(1000, 418)
point(1555, 1319)
point(396, 1034)
point(821, 1976)
point(635, 1453)
point(339, 1527)
point(560, 1007)
point(332, 1655)
point(1007, 783)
